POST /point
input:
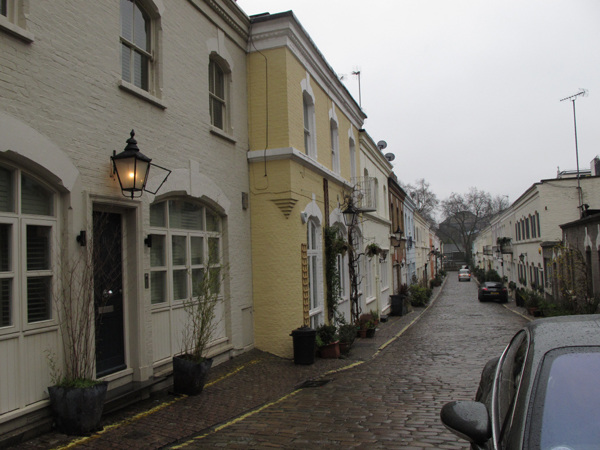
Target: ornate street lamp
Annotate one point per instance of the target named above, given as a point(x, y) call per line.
point(350, 213)
point(132, 168)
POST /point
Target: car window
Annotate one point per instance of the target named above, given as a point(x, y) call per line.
point(508, 382)
point(464, 271)
point(566, 407)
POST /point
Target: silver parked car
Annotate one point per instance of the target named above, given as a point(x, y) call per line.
point(464, 275)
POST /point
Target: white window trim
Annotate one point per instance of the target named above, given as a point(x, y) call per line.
point(307, 91)
point(15, 22)
point(153, 9)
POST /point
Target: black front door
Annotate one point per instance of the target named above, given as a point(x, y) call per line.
point(108, 293)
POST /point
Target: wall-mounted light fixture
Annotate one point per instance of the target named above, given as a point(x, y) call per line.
point(148, 241)
point(81, 238)
point(522, 256)
point(132, 168)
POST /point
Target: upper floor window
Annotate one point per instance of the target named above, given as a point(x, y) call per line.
point(308, 108)
point(136, 49)
point(27, 239)
point(335, 146)
point(13, 19)
point(186, 241)
point(216, 89)
point(352, 158)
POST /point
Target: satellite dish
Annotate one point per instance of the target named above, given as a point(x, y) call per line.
point(390, 157)
point(382, 145)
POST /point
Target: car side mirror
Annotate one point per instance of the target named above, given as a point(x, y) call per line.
point(468, 420)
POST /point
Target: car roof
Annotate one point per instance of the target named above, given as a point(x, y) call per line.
point(563, 331)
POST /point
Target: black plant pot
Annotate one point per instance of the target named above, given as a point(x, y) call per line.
point(190, 376)
point(77, 411)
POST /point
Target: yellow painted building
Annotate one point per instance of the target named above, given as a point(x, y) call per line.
point(304, 135)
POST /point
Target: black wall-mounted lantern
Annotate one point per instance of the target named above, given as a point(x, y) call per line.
point(132, 168)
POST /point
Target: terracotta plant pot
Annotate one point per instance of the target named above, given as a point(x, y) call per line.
point(362, 333)
point(331, 351)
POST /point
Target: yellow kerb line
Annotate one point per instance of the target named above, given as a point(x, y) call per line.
point(236, 420)
point(141, 415)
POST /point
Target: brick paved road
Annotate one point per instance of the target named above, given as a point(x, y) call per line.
point(392, 401)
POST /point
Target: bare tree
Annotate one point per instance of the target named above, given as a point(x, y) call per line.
point(466, 214)
point(425, 200)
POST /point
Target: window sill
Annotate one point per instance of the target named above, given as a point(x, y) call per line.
point(140, 93)
point(222, 134)
point(16, 30)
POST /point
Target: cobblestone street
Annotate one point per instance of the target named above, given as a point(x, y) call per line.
point(393, 401)
point(387, 394)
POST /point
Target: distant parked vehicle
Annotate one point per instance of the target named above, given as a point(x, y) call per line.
point(464, 275)
point(542, 393)
point(493, 290)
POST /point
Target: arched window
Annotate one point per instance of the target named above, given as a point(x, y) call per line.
point(352, 158)
point(335, 146)
point(186, 241)
point(28, 246)
point(308, 108)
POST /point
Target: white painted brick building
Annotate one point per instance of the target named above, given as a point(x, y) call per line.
point(75, 79)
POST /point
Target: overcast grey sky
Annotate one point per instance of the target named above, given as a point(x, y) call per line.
point(466, 92)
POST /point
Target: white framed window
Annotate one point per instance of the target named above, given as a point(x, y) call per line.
point(383, 266)
point(13, 19)
point(217, 88)
point(335, 146)
point(368, 291)
point(315, 272)
point(352, 158)
point(186, 241)
point(28, 243)
point(308, 108)
point(138, 46)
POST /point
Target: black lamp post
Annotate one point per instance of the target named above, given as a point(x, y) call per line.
point(350, 213)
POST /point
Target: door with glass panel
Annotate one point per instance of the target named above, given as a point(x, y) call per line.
point(108, 293)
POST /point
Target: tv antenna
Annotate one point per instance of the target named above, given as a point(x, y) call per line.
point(357, 73)
point(583, 93)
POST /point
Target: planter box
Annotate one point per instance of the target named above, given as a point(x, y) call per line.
point(331, 351)
point(77, 411)
point(190, 376)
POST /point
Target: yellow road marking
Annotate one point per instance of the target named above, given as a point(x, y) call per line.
point(236, 420)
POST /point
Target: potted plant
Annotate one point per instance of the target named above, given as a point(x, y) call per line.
point(327, 341)
point(367, 325)
point(532, 303)
point(190, 369)
point(76, 397)
point(373, 249)
point(347, 334)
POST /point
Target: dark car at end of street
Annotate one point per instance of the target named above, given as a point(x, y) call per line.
point(492, 290)
point(541, 393)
